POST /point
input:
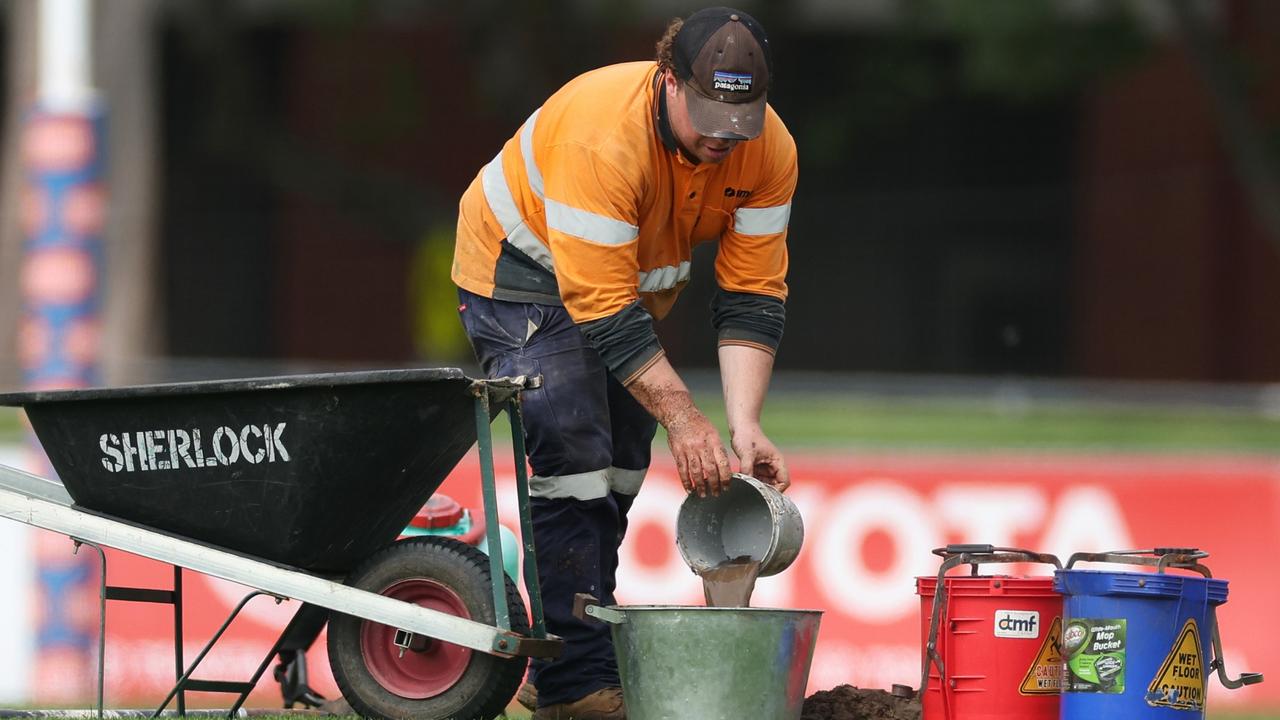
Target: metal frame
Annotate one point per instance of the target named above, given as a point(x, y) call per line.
point(45, 504)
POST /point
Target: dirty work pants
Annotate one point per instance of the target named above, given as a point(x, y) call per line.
point(588, 442)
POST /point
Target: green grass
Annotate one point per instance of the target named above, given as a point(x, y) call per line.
point(810, 421)
point(825, 422)
point(798, 421)
point(10, 425)
point(815, 421)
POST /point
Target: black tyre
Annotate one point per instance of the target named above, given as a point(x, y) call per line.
point(441, 681)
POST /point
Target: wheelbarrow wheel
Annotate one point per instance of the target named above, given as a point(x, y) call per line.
point(431, 679)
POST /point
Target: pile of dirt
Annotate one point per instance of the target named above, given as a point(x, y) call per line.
point(846, 702)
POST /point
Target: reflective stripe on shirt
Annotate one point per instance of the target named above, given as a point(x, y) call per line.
point(761, 221)
point(526, 149)
point(498, 195)
point(588, 225)
point(664, 278)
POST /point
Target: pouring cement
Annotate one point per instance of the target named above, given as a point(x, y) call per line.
point(748, 531)
point(726, 661)
point(730, 583)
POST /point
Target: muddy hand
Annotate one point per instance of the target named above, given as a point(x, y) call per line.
point(759, 458)
point(701, 461)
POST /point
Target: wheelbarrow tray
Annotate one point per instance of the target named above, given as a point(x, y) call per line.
point(310, 471)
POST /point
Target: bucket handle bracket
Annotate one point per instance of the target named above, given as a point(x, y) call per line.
point(1220, 664)
point(586, 605)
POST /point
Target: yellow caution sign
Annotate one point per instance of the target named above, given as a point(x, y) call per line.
point(1044, 677)
point(1180, 682)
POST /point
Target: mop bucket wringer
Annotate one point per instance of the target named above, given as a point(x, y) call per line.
point(1134, 643)
point(991, 642)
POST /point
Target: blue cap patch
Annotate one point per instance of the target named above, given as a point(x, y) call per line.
point(731, 82)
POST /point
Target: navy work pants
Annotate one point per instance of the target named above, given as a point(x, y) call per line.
point(588, 442)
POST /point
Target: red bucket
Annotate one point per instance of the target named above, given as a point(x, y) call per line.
point(997, 654)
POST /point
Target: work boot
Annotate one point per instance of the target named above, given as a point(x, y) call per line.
point(528, 696)
point(603, 704)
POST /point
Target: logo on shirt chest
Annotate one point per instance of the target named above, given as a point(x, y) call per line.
point(730, 192)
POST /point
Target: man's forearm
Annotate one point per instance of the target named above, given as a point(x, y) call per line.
point(661, 391)
point(696, 448)
point(745, 372)
point(744, 375)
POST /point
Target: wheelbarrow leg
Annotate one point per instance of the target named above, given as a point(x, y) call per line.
point(530, 568)
point(484, 438)
point(130, 594)
point(102, 617)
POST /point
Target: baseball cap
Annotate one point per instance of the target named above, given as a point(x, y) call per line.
point(722, 55)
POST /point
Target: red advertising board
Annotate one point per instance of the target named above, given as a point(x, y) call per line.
point(871, 521)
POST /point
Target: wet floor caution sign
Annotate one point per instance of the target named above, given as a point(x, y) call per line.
point(1180, 682)
point(1044, 677)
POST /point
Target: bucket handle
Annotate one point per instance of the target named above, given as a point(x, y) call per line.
point(586, 604)
point(974, 555)
point(1161, 559)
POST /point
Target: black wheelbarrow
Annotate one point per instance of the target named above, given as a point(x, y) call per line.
point(298, 486)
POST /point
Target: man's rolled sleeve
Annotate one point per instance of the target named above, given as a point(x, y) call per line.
point(748, 319)
point(626, 341)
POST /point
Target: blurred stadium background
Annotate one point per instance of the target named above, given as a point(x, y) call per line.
point(1040, 229)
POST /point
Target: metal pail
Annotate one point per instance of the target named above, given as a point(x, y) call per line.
point(711, 663)
point(749, 519)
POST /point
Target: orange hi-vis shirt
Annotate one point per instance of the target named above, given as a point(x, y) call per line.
point(588, 206)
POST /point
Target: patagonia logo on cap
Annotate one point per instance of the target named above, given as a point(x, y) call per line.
point(731, 82)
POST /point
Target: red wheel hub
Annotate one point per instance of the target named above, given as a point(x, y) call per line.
point(415, 674)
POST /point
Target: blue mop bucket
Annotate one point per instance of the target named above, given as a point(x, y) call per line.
point(1136, 645)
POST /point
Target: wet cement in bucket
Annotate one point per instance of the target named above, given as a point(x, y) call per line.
point(846, 702)
point(731, 583)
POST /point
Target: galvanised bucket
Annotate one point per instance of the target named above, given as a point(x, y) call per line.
point(710, 663)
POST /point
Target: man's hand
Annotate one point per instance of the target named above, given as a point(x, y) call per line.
point(695, 443)
point(759, 458)
point(700, 458)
